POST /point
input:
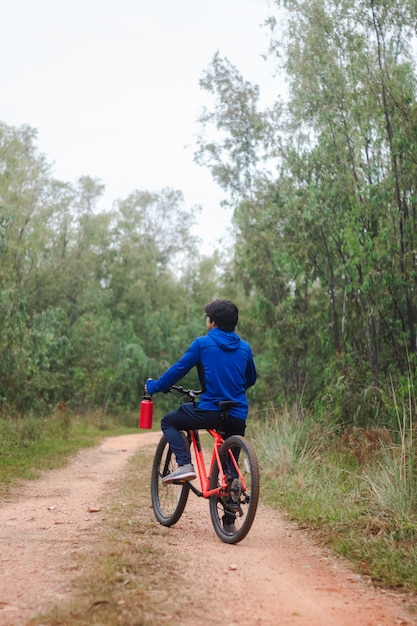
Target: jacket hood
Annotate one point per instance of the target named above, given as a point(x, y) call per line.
point(228, 341)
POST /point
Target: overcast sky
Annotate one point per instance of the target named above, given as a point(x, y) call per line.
point(112, 87)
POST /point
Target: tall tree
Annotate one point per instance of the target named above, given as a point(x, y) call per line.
point(339, 221)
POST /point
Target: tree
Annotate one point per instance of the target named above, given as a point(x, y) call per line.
point(335, 228)
point(241, 132)
point(91, 302)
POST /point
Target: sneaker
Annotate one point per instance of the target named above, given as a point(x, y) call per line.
point(229, 529)
point(183, 472)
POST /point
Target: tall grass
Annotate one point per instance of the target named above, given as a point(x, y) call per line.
point(289, 438)
point(357, 488)
point(393, 483)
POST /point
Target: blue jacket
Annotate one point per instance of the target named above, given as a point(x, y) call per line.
point(225, 367)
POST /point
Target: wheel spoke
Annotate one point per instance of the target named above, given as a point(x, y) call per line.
point(168, 500)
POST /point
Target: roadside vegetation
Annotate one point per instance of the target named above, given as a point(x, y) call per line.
point(30, 445)
point(356, 488)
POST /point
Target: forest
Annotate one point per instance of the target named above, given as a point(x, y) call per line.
point(323, 188)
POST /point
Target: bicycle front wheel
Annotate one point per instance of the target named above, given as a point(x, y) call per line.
point(232, 513)
point(168, 500)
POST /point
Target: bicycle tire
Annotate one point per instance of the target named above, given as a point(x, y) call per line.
point(237, 507)
point(168, 500)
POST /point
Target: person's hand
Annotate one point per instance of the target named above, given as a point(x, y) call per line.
point(146, 388)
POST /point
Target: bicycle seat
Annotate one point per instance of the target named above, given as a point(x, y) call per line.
point(226, 405)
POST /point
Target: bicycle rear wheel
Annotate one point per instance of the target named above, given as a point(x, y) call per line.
point(232, 514)
point(168, 500)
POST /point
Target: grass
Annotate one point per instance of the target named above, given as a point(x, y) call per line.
point(127, 579)
point(357, 491)
point(32, 444)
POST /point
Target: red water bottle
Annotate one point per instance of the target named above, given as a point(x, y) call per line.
point(146, 412)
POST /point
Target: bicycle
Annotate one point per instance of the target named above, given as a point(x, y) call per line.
point(231, 483)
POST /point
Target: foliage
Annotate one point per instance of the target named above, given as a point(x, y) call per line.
point(325, 205)
point(91, 302)
point(323, 191)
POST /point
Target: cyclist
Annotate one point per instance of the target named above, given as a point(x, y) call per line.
point(226, 370)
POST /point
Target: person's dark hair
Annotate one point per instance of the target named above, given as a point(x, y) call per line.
point(224, 313)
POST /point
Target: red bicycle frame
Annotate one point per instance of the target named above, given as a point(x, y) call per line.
point(224, 484)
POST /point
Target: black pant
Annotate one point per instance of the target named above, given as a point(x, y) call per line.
point(188, 417)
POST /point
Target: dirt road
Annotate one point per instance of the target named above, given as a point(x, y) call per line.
point(286, 578)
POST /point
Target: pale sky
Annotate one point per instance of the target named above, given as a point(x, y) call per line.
point(112, 88)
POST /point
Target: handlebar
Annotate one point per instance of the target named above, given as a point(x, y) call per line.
point(191, 393)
